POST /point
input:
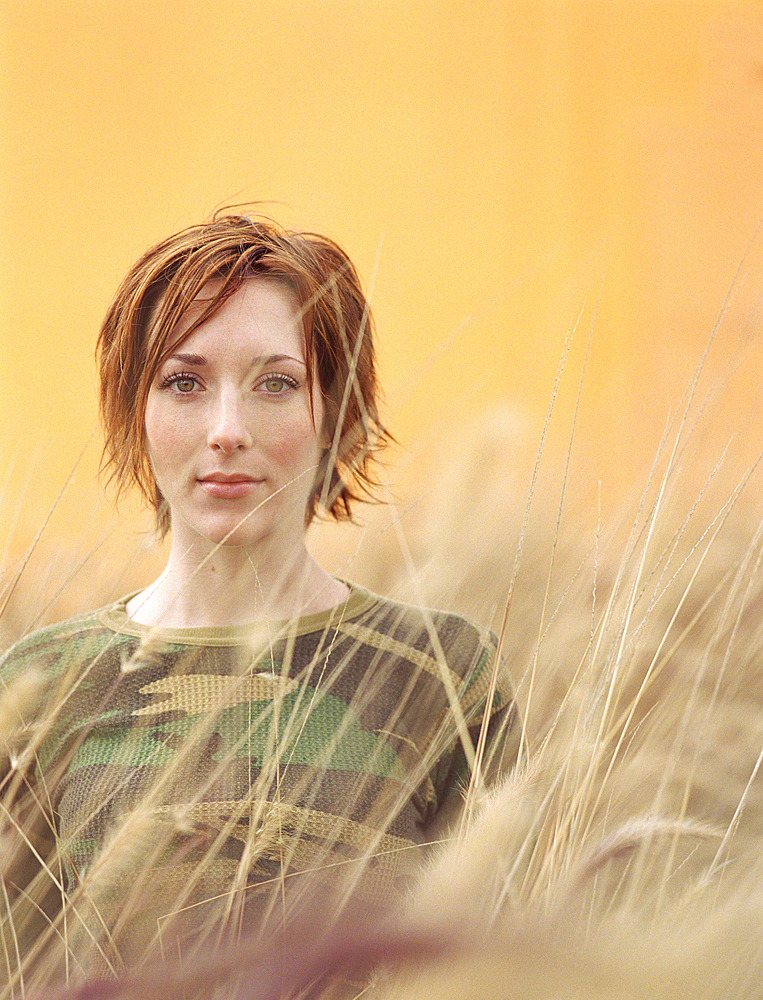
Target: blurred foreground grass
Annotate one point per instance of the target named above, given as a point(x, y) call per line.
point(624, 858)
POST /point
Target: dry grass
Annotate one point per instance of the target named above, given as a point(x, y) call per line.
point(620, 859)
point(623, 859)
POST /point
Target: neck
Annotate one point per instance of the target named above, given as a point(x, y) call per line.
point(231, 585)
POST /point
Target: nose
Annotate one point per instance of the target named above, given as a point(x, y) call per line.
point(228, 428)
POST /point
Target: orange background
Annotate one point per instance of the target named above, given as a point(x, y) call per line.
point(494, 169)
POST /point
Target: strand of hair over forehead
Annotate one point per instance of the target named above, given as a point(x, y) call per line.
point(230, 249)
point(232, 261)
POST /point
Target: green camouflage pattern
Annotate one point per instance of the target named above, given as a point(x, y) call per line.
point(202, 773)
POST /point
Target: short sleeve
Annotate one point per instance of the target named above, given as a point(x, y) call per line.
point(451, 773)
point(27, 822)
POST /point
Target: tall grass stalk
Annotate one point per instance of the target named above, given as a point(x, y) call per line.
point(618, 857)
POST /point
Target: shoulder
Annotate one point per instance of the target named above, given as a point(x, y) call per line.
point(58, 647)
point(465, 647)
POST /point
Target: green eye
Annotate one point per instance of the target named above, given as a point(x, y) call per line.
point(180, 382)
point(274, 384)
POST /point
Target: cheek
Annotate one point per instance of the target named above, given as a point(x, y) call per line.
point(164, 436)
point(291, 442)
point(153, 430)
point(165, 420)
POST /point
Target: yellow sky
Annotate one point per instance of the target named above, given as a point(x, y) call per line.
point(494, 168)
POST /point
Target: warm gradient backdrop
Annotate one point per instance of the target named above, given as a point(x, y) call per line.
point(494, 167)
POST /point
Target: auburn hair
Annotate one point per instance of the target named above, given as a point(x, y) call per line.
point(140, 332)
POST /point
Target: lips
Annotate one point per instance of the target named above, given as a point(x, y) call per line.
point(228, 486)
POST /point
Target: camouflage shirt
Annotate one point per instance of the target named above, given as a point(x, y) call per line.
point(190, 770)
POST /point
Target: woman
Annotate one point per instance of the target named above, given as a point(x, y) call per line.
point(246, 720)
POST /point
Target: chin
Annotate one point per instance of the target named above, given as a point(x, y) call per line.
point(227, 531)
point(233, 536)
point(242, 529)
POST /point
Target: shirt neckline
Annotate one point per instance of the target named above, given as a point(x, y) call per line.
point(114, 616)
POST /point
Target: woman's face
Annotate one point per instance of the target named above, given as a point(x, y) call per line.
point(231, 437)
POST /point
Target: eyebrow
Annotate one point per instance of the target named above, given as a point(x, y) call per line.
point(199, 361)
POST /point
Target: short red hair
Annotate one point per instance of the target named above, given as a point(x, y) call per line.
point(138, 334)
